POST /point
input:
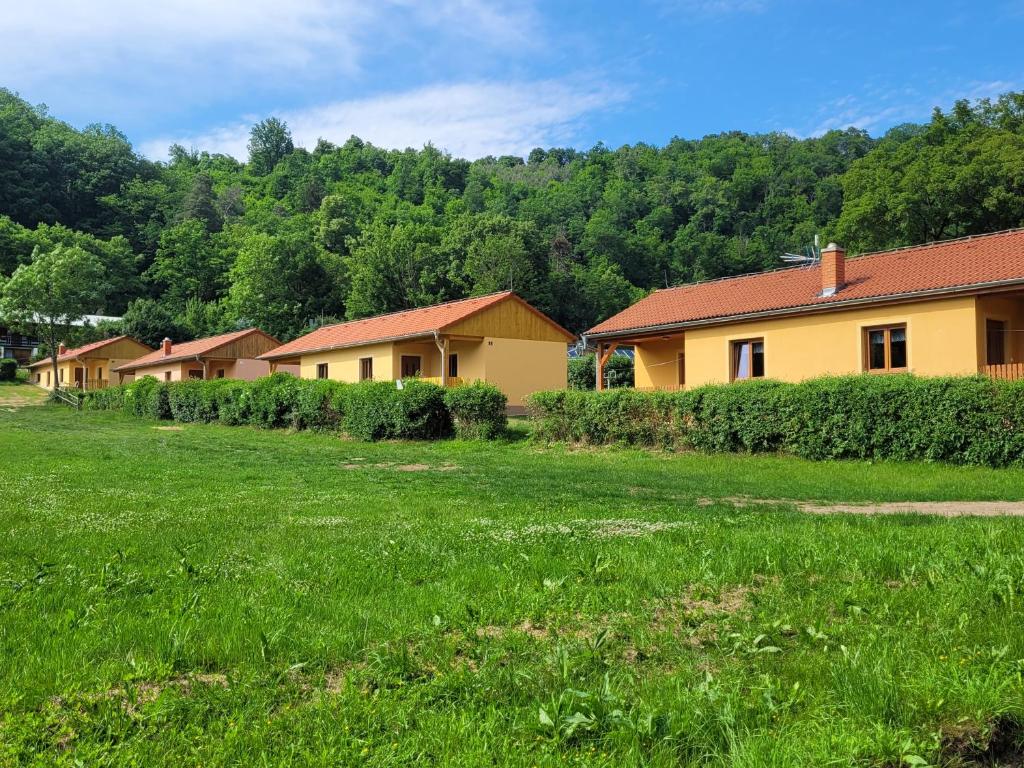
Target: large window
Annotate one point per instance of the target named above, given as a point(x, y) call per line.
point(411, 366)
point(195, 373)
point(321, 370)
point(747, 359)
point(365, 368)
point(995, 342)
point(885, 349)
point(453, 366)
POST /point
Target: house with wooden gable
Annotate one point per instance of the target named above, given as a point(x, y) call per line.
point(497, 338)
point(947, 308)
point(232, 355)
point(87, 367)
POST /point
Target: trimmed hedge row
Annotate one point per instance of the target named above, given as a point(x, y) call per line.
point(368, 411)
point(963, 420)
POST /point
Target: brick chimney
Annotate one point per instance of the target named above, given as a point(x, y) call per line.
point(167, 346)
point(833, 269)
point(61, 349)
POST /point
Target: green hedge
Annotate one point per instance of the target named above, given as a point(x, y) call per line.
point(8, 369)
point(964, 420)
point(478, 410)
point(369, 410)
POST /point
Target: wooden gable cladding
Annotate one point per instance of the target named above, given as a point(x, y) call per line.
point(246, 348)
point(512, 318)
point(122, 349)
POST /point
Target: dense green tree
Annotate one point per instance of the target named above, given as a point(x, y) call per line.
point(281, 284)
point(188, 264)
point(151, 321)
point(270, 141)
point(52, 292)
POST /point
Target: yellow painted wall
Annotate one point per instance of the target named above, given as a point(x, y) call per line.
point(519, 367)
point(942, 339)
point(1011, 312)
point(343, 364)
point(657, 364)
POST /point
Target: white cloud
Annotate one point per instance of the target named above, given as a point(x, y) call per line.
point(880, 110)
point(467, 119)
point(209, 45)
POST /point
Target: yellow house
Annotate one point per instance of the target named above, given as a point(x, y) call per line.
point(90, 366)
point(227, 356)
point(497, 338)
point(948, 308)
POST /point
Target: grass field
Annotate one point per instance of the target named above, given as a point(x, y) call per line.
point(208, 596)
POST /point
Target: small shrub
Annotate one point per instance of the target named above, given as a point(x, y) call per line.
point(478, 410)
point(319, 404)
point(147, 398)
point(195, 400)
point(380, 411)
point(274, 399)
point(8, 369)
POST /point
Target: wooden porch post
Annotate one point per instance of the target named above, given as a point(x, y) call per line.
point(602, 358)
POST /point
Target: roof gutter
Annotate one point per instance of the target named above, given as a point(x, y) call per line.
point(273, 354)
point(806, 309)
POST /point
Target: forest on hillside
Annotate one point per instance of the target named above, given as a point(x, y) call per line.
point(297, 237)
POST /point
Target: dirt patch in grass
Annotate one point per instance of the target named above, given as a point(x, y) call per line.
point(694, 613)
point(20, 396)
point(396, 467)
point(999, 745)
point(170, 429)
point(935, 508)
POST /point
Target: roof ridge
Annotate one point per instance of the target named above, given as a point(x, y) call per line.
point(858, 257)
point(414, 309)
point(939, 243)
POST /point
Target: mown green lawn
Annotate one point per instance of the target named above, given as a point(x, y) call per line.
point(213, 596)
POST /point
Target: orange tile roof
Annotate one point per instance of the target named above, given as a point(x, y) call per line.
point(187, 349)
point(948, 266)
point(397, 325)
point(71, 354)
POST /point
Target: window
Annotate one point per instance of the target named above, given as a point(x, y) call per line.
point(453, 366)
point(995, 341)
point(47, 378)
point(195, 373)
point(61, 375)
point(681, 369)
point(167, 375)
point(99, 374)
point(220, 373)
point(366, 369)
point(321, 370)
point(885, 349)
point(748, 359)
point(411, 366)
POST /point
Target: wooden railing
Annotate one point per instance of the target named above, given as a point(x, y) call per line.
point(68, 397)
point(1006, 371)
point(453, 381)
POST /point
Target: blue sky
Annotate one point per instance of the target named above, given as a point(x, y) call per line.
point(493, 77)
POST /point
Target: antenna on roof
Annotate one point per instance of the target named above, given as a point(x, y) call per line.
point(810, 256)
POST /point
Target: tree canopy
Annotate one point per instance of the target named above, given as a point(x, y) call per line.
point(294, 236)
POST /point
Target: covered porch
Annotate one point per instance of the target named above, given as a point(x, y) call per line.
point(659, 360)
point(1000, 329)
